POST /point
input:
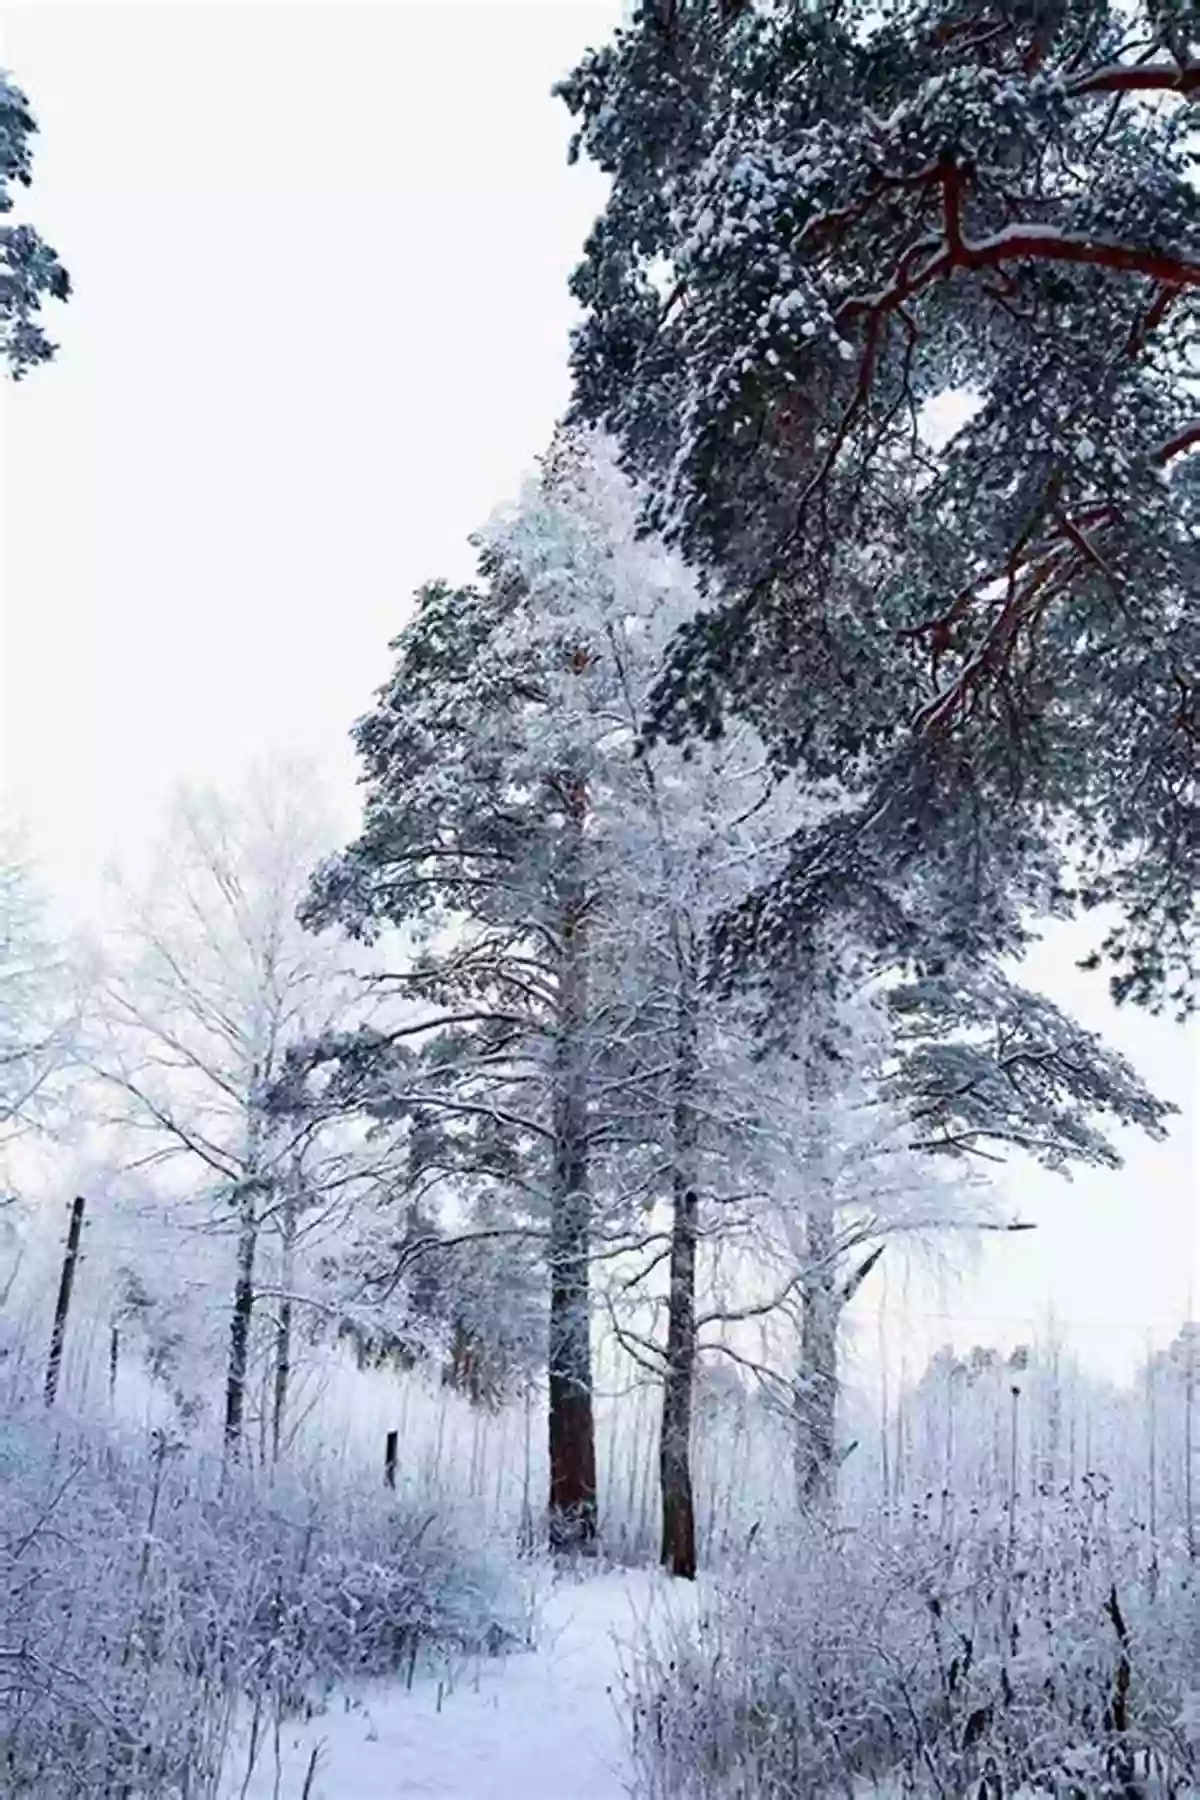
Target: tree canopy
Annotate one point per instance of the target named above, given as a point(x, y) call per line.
point(29, 269)
point(894, 308)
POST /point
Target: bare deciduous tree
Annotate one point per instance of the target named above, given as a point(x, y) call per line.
point(210, 981)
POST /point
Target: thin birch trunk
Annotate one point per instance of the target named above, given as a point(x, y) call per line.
point(243, 1289)
point(62, 1305)
point(283, 1330)
point(239, 1328)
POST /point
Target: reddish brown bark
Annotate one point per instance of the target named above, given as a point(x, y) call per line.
point(1015, 245)
point(679, 1378)
point(572, 1441)
point(1150, 78)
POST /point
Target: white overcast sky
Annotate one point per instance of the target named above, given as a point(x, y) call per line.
point(319, 330)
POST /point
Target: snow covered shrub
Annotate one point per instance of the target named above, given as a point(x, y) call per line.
point(999, 1653)
point(144, 1595)
point(351, 1589)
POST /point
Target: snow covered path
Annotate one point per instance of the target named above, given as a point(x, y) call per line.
point(538, 1725)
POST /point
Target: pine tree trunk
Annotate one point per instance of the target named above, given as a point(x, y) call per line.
point(674, 1460)
point(571, 1423)
point(815, 1395)
point(572, 1442)
point(239, 1328)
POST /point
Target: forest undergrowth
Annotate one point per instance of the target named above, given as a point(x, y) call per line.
point(984, 1651)
point(154, 1604)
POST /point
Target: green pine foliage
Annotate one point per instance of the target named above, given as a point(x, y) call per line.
point(30, 271)
point(894, 308)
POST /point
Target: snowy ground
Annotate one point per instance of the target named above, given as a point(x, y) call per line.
point(538, 1725)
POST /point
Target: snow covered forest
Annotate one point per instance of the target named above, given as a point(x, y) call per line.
point(450, 1251)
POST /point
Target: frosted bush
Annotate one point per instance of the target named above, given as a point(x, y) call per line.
point(1044, 1654)
point(143, 1598)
